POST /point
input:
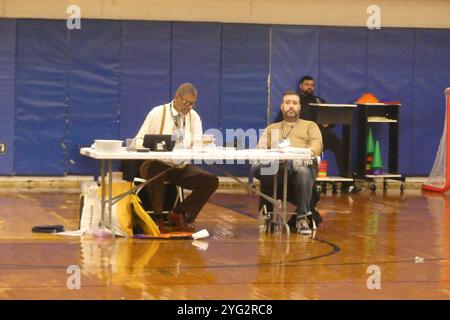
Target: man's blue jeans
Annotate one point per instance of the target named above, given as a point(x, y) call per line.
point(300, 185)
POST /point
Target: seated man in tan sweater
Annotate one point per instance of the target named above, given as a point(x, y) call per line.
point(297, 133)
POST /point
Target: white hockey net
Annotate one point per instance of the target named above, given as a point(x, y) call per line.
point(439, 179)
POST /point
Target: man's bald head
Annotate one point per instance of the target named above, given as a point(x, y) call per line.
point(186, 89)
point(185, 98)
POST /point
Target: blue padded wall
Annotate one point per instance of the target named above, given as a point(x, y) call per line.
point(41, 106)
point(245, 68)
point(432, 76)
point(342, 69)
point(94, 72)
point(245, 58)
point(196, 59)
point(391, 77)
point(144, 72)
point(61, 89)
point(342, 64)
point(294, 54)
point(7, 93)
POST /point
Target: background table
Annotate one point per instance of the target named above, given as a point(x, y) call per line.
point(341, 114)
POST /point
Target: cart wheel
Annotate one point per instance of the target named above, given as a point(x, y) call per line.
point(372, 186)
point(385, 185)
point(334, 187)
point(402, 187)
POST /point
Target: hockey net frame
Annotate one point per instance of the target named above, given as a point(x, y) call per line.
point(439, 178)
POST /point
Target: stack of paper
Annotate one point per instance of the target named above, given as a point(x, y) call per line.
point(296, 150)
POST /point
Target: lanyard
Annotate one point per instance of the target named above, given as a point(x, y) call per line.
point(179, 132)
point(175, 118)
point(289, 132)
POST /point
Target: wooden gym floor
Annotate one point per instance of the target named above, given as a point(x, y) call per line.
point(386, 230)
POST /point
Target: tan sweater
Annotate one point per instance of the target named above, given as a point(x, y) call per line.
point(304, 134)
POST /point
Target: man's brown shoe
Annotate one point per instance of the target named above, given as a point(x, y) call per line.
point(163, 228)
point(176, 218)
point(179, 221)
point(187, 228)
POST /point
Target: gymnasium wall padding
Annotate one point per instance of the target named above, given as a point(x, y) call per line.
point(245, 58)
point(196, 59)
point(294, 54)
point(342, 70)
point(342, 64)
point(144, 72)
point(62, 89)
point(391, 77)
point(432, 76)
point(41, 104)
point(244, 88)
point(7, 93)
point(94, 75)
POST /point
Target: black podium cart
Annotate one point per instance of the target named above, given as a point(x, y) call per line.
point(379, 113)
point(341, 114)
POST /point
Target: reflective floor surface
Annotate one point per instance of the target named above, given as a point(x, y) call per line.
point(370, 246)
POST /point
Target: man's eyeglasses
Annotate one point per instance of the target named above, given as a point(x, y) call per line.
point(188, 103)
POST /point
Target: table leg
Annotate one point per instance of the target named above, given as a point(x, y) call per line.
point(110, 196)
point(103, 202)
point(271, 221)
point(393, 147)
point(275, 188)
point(347, 149)
point(362, 140)
point(284, 206)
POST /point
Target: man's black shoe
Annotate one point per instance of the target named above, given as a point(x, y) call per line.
point(354, 189)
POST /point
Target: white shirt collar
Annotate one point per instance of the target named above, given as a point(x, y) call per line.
point(174, 110)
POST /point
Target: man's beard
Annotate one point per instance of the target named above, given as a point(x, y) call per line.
point(290, 117)
point(308, 92)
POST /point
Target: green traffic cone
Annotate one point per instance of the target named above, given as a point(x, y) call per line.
point(377, 165)
point(369, 145)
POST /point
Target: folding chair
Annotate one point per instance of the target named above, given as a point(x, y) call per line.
point(266, 208)
point(173, 195)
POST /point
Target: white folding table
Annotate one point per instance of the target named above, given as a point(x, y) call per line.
point(209, 156)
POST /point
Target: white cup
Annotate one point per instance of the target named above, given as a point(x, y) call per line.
point(200, 234)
